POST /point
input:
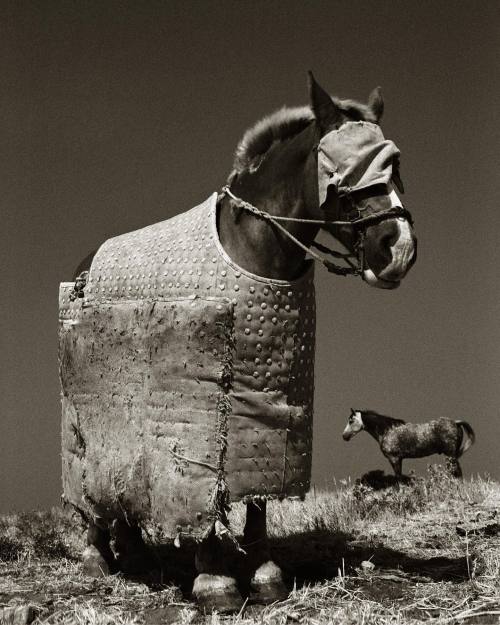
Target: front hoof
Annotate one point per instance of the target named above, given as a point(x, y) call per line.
point(217, 592)
point(94, 565)
point(267, 584)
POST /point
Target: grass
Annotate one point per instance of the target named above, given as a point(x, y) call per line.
point(371, 552)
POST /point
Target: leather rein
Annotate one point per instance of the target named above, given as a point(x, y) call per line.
point(359, 223)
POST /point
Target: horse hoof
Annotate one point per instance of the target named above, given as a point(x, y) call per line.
point(94, 565)
point(267, 584)
point(217, 592)
point(136, 562)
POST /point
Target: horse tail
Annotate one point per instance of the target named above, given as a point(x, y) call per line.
point(466, 442)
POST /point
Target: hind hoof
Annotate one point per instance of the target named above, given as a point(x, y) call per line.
point(267, 584)
point(217, 592)
point(94, 565)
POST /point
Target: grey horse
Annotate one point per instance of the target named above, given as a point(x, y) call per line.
point(399, 439)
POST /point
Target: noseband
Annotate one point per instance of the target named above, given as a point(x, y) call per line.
point(360, 222)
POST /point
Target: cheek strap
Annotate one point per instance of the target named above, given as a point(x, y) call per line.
point(339, 270)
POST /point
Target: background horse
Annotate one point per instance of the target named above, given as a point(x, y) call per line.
point(296, 171)
point(398, 439)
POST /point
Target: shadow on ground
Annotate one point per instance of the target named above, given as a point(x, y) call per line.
point(319, 556)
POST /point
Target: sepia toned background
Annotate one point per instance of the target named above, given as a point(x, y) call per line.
point(115, 115)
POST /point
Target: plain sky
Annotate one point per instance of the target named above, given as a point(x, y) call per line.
point(115, 115)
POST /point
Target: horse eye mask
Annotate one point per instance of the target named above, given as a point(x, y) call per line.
point(354, 157)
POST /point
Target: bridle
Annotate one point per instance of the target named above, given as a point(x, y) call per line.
point(360, 222)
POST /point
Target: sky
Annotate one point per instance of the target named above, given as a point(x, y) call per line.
point(116, 115)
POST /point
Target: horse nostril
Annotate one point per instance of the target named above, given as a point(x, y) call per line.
point(386, 241)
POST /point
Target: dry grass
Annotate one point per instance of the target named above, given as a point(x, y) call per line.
point(421, 571)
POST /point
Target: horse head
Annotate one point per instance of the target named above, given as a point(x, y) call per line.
point(357, 173)
point(354, 425)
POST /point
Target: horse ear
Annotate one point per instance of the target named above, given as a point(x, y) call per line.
point(325, 110)
point(376, 103)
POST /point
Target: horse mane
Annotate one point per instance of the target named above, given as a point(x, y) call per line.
point(284, 124)
point(374, 420)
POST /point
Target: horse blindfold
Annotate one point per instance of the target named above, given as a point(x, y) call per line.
point(355, 157)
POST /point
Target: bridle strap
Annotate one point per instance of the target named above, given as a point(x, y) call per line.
point(330, 266)
point(360, 222)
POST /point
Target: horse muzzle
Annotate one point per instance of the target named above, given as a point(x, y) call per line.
point(390, 252)
point(347, 435)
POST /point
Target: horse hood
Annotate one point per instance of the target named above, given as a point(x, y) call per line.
point(354, 157)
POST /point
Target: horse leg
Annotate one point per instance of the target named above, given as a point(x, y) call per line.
point(267, 578)
point(453, 466)
point(214, 587)
point(98, 559)
point(132, 554)
point(397, 466)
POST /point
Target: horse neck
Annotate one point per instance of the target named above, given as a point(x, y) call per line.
point(284, 186)
point(377, 425)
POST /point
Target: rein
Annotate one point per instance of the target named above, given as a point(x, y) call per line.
point(360, 223)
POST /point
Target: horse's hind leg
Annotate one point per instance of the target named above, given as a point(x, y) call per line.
point(267, 578)
point(214, 587)
point(132, 554)
point(98, 559)
point(453, 466)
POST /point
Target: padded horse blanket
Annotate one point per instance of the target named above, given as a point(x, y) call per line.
point(187, 382)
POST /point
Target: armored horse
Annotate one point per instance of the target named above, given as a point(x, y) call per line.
point(187, 347)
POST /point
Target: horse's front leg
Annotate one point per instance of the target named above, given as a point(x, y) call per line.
point(215, 588)
point(267, 578)
point(397, 465)
point(98, 559)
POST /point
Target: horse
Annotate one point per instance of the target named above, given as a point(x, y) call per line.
point(249, 275)
point(399, 439)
